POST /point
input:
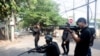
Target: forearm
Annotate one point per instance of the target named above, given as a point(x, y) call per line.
point(75, 37)
point(41, 51)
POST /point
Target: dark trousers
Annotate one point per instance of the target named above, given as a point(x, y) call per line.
point(37, 37)
point(65, 47)
point(89, 52)
point(80, 51)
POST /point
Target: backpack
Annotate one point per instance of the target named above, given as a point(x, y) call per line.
point(93, 36)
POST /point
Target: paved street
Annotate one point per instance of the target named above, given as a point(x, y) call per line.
point(25, 43)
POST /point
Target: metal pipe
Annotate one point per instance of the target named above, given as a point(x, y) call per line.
point(77, 7)
point(73, 12)
point(88, 12)
point(95, 13)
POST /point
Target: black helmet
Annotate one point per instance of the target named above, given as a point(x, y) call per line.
point(81, 20)
point(48, 37)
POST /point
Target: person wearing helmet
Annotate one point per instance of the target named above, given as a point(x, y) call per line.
point(51, 48)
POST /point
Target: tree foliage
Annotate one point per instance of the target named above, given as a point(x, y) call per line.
point(44, 12)
point(6, 6)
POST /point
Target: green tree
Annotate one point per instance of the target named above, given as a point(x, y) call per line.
point(6, 6)
point(44, 12)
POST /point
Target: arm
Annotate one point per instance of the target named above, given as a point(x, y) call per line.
point(75, 37)
point(42, 49)
point(85, 36)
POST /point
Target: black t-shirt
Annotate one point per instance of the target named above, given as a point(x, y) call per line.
point(83, 45)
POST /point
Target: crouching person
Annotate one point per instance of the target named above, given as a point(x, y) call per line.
point(51, 48)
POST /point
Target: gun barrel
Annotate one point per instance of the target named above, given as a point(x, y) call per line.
point(26, 52)
point(21, 53)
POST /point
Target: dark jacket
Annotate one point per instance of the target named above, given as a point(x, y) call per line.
point(51, 49)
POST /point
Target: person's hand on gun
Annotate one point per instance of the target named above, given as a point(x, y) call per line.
point(72, 32)
point(69, 30)
point(74, 35)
